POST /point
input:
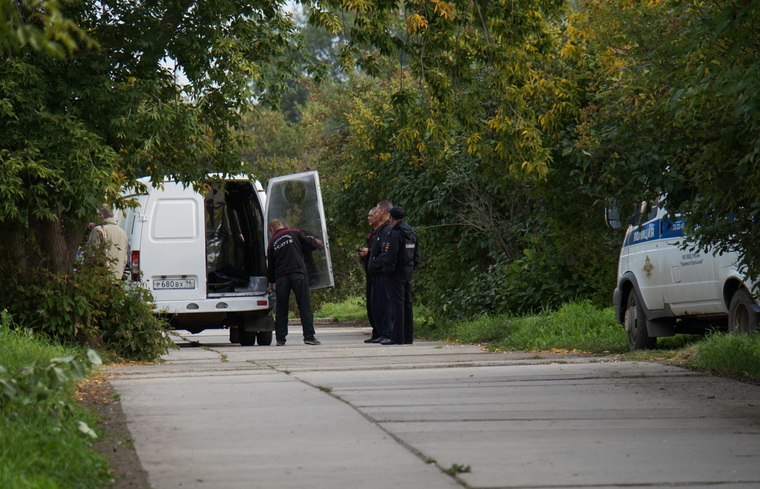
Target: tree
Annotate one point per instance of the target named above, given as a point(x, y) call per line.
point(674, 112)
point(75, 131)
point(41, 25)
point(159, 92)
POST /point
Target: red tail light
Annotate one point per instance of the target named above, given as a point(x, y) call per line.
point(134, 266)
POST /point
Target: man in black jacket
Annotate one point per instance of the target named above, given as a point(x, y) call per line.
point(363, 253)
point(379, 293)
point(286, 272)
point(399, 259)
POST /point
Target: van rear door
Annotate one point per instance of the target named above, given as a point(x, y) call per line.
point(297, 200)
point(176, 239)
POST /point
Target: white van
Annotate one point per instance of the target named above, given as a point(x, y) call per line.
point(664, 289)
point(202, 253)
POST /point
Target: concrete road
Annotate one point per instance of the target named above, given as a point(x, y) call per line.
point(431, 415)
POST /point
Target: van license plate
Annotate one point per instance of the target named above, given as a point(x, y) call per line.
point(174, 284)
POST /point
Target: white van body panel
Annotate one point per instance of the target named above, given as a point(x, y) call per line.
point(677, 289)
point(172, 225)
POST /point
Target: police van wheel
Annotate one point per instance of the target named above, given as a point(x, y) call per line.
point(247, 338)
point(264, 338)
point(635, 323)
point(741, 316)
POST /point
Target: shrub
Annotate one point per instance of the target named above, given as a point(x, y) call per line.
point(89, 307)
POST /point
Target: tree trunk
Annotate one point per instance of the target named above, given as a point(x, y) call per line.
point(58, 244)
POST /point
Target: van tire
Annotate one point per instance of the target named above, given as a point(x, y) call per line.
point(635, 323)
point(264, 338)
point(247, 338)
point(741, 315)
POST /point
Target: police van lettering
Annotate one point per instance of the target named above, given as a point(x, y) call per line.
point(657, 229)
point(643, 235)
point(689, 259)
point(646, 233)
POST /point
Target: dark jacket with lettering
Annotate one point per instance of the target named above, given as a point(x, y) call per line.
point(286, 252)
point(375, 265)
point(402, 251)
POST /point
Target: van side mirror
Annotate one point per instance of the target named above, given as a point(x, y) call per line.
point(612, 217)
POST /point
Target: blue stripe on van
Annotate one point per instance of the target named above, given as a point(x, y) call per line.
point(653, 230)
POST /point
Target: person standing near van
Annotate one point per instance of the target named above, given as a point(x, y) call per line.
point(363, 253)
point(400, 257)
point(380, 298)
point(286, 272)
point(110, 238)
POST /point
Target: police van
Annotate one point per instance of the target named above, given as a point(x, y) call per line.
point(665, 288)
point(202, 252)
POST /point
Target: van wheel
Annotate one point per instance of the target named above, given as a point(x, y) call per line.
point(234, 336)
point(741, 316)
point(264, 338)
point(635, 323)
point(247, 338)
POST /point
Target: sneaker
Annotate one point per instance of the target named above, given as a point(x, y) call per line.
point(312, 341)
point(280, 343)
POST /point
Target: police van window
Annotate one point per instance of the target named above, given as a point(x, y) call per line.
point(652, 212)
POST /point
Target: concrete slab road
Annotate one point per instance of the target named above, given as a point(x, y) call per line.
point(431, 415)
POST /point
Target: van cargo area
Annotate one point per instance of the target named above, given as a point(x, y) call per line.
point(235, 248)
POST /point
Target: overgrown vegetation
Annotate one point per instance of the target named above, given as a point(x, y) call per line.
point(87, 307)
point(45, 435)
point(580, 327)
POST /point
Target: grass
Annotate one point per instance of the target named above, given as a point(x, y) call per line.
point(583, 327)
point(45, 435)
point(351, 309)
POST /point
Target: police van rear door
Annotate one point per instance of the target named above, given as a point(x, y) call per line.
point(297, 201)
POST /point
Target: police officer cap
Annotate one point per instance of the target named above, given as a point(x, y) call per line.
point(397, 213)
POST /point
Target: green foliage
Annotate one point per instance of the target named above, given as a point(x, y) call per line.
point(578, 326)
point(44, 434)
point(130, 327)
point(350, 309)
point(86, 308)
point(729, 353)
point(39, 24)
point(673, 109)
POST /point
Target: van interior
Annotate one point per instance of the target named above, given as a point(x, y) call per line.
point(235, 248)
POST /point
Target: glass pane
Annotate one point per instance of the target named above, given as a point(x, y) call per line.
point(297, 201)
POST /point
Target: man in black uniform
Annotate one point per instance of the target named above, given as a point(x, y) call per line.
point(399, 259)
point(379, 293)
point(286, 271)
point(363, 253)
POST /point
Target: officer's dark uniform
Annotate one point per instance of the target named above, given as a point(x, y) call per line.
point(399, 260)
point(379, 293)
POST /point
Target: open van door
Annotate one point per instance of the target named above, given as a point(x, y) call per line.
point(297, 201)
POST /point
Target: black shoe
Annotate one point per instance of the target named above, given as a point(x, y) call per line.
point(408, 342)
point(369, 340)
point(376, 340)
point(388, 342)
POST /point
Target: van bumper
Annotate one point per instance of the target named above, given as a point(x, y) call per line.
point(218, 305)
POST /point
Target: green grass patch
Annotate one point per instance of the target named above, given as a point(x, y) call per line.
point(729, 354)
point(574, 327)
point(351, 309)
point(583, 327)
point(45, 435)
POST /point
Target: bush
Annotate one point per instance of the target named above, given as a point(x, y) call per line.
point(89, 307)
